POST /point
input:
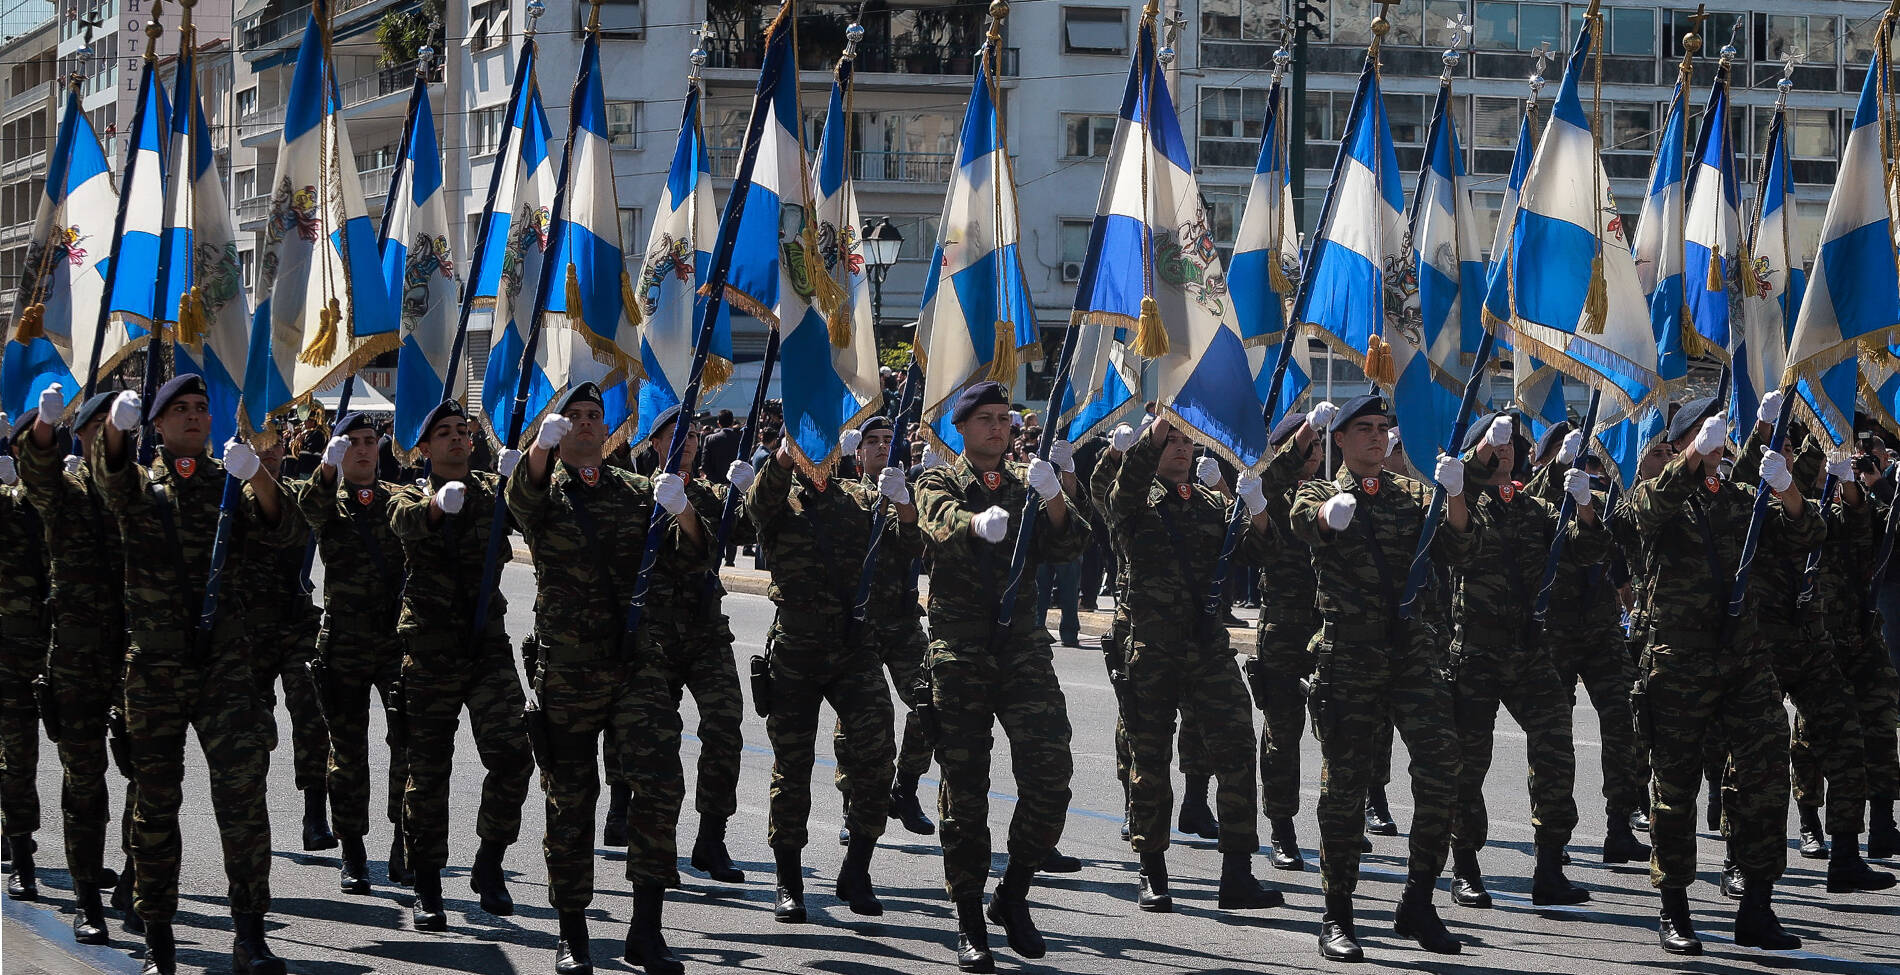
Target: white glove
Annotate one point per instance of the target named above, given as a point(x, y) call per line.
point(72, 463)
point(240, 461)
point(6, 425)
point(740, 475)
point(449, 497)
point(1253, 491)
point(127, 409)
point(848, 441)
point(553, 430)
point(670, 491)
point(1500, 432)
point(1207, 470)
point(9, 473)
point(1121, 438)
point(1062, 454)
point(1578, 484)
point(52, 403)
point(990, 524)
point(1572, 446)
point(507, 461)
point(932, 458)
point(1711, 437)
point(1043, 477)
point(890, 483)
point(1770, 410)
point(1450, 475)
point(1321, 415)
point(334, 450)
point(1841, 468)
point(1392, 441)
point(1338, 510)
point(1774, 470)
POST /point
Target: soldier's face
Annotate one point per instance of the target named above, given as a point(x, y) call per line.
point(90, 430)
point(359, 462)
point(1506, 457)
point(689, 452)
point(1362, 444)
point(272, 457)
point(449, 442)
point(184, 424)
point(1177, 456)
point(590, 428)
point(873, 450)
point(1654, 458)
point(986, 431)
point(1314, 458)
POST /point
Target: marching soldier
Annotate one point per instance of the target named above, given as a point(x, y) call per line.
point(454, 661)
point(814, 531)
point(23, 642)
point(970, 513)
point(179, 677)
point(1371, 663)
point(1699, 681)
point(587, 526)
point(357, 648)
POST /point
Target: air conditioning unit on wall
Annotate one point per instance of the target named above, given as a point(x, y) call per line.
point(1071, 272)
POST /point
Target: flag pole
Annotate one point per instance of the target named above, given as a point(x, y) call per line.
point(1565, 512)
point(154, 349)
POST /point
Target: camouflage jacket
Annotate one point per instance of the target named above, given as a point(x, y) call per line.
point(1584, 593)
point(893, 587)
point(1847, 565)
point(88, 563)
point(1101, 482)
point(161, 606)
point(968, 575)
point(446, 559)
point(815, 542)
point(1361, 571)
point(573, 605)
point(1691, 529)
point(1288, 598)
point(1774, 580)
point(23, 581)
point(269, 578)
point(362, 558)
point(1495, 592)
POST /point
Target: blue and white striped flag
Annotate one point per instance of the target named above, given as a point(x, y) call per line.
point(1772, 302)
point(1266, 265)
point(1713, 266)
point(1538, 389)
point(1880, 385)
point(1658, 246)
point(133, 268)
point(421, 271)
point(977, 320)
point(666, 294)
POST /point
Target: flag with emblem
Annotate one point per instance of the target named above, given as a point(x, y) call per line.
point(132, 270)
point(1538, 389)
point(1713, 261)
point(1771, 303)
point(1266, 265)
point(421, 272)
point(1658, 245)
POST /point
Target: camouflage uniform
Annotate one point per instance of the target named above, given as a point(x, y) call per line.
point(448, 664)
point(897, 634)
point(362, 594)
point(980, 678)
point(815, 539)
point(23, 641)
point(1289, 621)
point(1701, 681)
point(282, 624)
point(177, 679)
point(87, 663)
point(1371, 667)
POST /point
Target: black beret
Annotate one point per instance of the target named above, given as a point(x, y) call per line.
point(986, 393)
point(1287, 427)
point(1367, 405)
point(446, 409)
point(92, 407)
point(1552, 439)
point(1689, 418)
point(187, 384)
point(1474, 434)
point(24, 422)
point(584, 393)
point(875, 423)
point(355, 421)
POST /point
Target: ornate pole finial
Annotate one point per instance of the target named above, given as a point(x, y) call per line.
point(1455, 53)
point(1282, 58)
point(853, 36)
point(1381, 26)
point(999, 11)
point(593, 16)
point(425, 55)
point(1171, 29)
point(1786, 85)
point(535, 9)
point(1731, 50)
point(1542, 55)
point(700, 56)
point(153, 31)
point(1692, 41)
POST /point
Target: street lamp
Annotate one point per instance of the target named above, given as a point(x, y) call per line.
point(880, 245)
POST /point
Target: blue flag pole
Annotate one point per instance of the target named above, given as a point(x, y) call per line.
point(1564, 514)
point(1738, 592)
point(1435, 513)
point(147, 78)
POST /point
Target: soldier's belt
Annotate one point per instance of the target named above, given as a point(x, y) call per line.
point(1301, 617)
point(1374, 633)
point(22, 628)
point(974, 629)
point(1481, 637)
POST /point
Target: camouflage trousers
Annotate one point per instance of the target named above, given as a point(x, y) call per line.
point(282, 644)
point(86, 668)
point(1696, 690)
point(355, 664)
point(1828, 721)
point(1203, 682)
point(901, 647)
point(1598, 656)
point(651, 758)
point(1194, 759)
point(698, 657)
point(170, 690)
point(1523, 681)
point(1876, 693)
point(806, 673)
point(1286, 654)
point(1364, 685)
point(975, 688)
point(584, 691)
point(440, 677)
point(22, 651)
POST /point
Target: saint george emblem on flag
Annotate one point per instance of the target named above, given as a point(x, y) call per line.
point(1714, 263)
point(134, 280)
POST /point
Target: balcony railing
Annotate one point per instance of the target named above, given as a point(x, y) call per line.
point(264, 118)
point(376, 184)
point(895, 167)
point(385, 82)
point(253, 208)
point(34, 95)
point(291, 22)
point(898, 57)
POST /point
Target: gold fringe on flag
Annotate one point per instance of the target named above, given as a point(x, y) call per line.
point(1379, 365)
point(191, 318)
point(322, 348)
point(1151, 337)
point(32, 323)
point(1003, 359)
point(627, 299)
point(835, 304)
point(1276, 275)
point(1596, 304)
point(717, 372)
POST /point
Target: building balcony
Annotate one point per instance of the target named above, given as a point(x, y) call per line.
point(36, 96)
point(897, 58)
point(253, 209)
point(261, 121)
point(370, 87)
point(376, 185)
point(926, 168)
point(287, 27)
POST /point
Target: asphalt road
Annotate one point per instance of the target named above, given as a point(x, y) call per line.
point(1089, 918)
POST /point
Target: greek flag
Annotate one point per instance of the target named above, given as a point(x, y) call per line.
point(1713, 262)
point(62, 285)
point(1538, 389)
point(132, 269)
point(1658, 246)
point(666, 294)
point(1880, 385)
point(1772, 302)
point(1266, 263)
point(977, 320)
point(421, 272)
point(1853, 294)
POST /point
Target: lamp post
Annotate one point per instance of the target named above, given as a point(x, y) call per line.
point(879, 245)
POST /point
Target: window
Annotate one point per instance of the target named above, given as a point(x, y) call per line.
point(1779, 35)
point(1232, 121)
point(246, 264)
point(632, 245)
point(1094, 30)
point(244, 184)
point(247, 102)
point(1072, 239)
point(487, 25)
point(1494, 122)
point(620, 18)
point(1236, 20)
point(1632, 31)
point(1540, 23)
point(1858, 47)
point(484, 130)
point(1326, 114)
point(1088, 135)
point(1497, 26)
point(1632, 126)
point(1813, 133)
point(623, 124)
point(1715, 32)
point(1408, 118)
point(1438, 15)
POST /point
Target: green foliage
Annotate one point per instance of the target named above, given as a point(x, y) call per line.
point(896, 355)
point(401, 34)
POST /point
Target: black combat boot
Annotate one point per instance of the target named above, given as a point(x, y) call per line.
point(485, 879)
point(973, 937)
point(399, 872)
point(789, 907)
point(1153, 895)
point(1338, 935)
point(1639, 820)
point(1286, 846)
point(1060, 862)
point(1467, 880)
point(427, 914)
point(355, 876)
point(1196, 818)
point(854, 878)
point(122, 894)
point(710, 855)
point(22, 883)
point(1378, 816)
point(1883, 840)
point(1418, 919)
point(250, 954)
point(907, 810)
point(573, 956)
point(1756, 925)
point(1009, 907)
point(1620, 844)
point(1676, 931)
point(89, 916)
point(316, 822)
point(1549, 886)
point(646, 942)
point(1713, 809)
point(161, 951)
point(613, 830)
point(1239, 889)
point(1813, 840)
point(1847, 872)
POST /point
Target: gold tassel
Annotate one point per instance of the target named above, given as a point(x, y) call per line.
point(627, 299)
point(191, 323)
point(1751, 284)
point(1151, 337)
point(838, 326)
point(574, 294)
point(716, 373)
point(1379, 366)
point(322, 347)
point(1596, 304)
point(835, 304)
point(32, 323)
point(1276, 275)
point(1715, 272)
point(1003, 360)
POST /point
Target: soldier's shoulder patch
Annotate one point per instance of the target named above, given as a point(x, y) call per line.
point(1185, 490)
point(992, 480)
